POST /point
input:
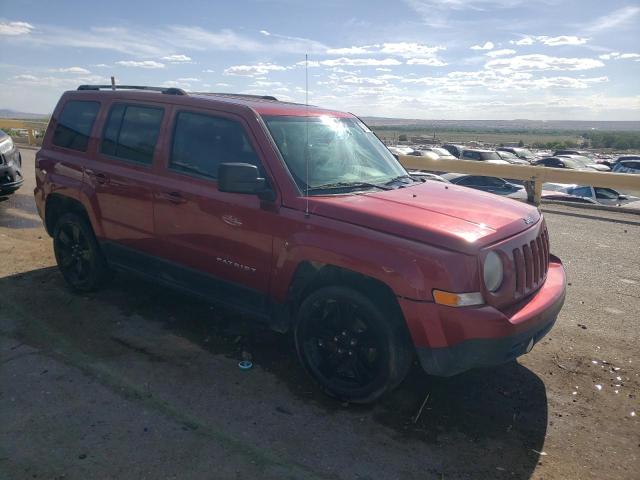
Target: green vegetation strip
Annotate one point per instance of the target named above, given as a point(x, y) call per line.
point(34, 331)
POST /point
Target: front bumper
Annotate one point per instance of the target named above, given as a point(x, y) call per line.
point(10, 172)
point(452, 340)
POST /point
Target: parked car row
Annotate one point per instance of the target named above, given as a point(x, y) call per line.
point(569, 159)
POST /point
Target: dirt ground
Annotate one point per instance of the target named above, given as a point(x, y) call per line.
point(138, 382)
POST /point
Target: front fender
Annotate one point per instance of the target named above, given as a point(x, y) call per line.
point(410, 269)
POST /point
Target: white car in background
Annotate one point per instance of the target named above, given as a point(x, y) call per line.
point(601, 195)
point(441, 152)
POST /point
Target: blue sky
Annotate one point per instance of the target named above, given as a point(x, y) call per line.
point(447, 59)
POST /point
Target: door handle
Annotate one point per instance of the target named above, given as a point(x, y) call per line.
point(174, 197)
point(100, 177)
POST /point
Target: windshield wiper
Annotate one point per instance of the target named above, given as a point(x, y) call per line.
point(343, 185)
point(400, 177)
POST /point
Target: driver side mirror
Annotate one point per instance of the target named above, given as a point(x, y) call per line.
point(242, 178)
point(622, 197)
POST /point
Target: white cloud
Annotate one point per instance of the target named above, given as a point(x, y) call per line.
point(486, 46)
point(189, 80)
point(523, 41)
point(432, 62)
point(56, 82)
point(550, 41)
point(353, 62)
point(155, 42)
point(180, 83)
point(620, 56)
point(253, 70)
point(265, 33)
point(410, 49)
point(617, 19)
point(15, 28)
point(26, 78)
point(401, 49)
point(265, 83)
point(101, 65)
point(537, 62)
point(360, 62)
point(561, 40)
point(177, 58)
point(208, 70)
point(439, 13)
point(78, 70)
point(367, 49)
point(140, 64)
point(383, 69)
point(489, 80)
point(500, 53)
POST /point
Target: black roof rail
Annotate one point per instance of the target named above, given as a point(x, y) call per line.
point(240, 95)
point(165, 90)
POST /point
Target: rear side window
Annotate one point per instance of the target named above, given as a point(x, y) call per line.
point(202, 142)
point(131, 132)
point(74, 125)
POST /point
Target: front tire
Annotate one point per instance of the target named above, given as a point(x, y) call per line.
point(77, 253)
point(355, 349)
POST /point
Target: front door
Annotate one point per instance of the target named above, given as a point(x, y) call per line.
point(216, 243)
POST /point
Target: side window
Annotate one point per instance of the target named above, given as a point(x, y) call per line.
point(74, 125)
point(202, 142)
point(494, 182)
point(466, 181)
point(581, 191)
point(131, 132)
point(606, 193)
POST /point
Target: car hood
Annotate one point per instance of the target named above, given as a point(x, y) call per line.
point(446, 215)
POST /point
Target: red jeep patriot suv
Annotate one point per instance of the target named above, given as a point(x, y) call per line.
point(301, 217)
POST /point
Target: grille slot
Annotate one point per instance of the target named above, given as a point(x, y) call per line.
point(531, 262)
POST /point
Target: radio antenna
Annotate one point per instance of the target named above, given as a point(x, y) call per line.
point(306, 144)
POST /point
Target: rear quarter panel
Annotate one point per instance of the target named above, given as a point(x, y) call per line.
point(60, 170)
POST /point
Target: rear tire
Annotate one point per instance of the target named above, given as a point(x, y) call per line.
point(353, 347)
point(78, 254)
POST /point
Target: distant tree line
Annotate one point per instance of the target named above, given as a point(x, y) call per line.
point(615, 140)
point(555, 145)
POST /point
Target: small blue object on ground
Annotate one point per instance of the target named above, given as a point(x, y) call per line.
point(245, 365)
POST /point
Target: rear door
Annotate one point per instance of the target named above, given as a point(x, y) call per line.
point(121, 177)
point(219, 243)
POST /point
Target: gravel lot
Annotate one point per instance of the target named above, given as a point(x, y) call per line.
point(138, 382)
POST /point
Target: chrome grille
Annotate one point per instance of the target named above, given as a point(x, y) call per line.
point(531, 262)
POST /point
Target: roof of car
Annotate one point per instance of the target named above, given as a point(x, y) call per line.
point(262, 104)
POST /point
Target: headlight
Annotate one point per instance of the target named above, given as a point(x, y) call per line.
point(6, 145)
point(493, 272)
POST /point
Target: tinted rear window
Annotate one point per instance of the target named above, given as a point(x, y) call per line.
point(74, 125)
point(131, 132)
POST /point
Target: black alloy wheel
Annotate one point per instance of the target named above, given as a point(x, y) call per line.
point(78, 254)
point(350, 345)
